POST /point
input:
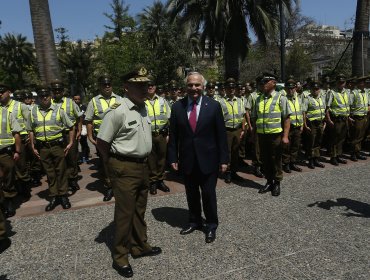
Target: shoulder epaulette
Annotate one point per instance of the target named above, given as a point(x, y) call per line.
point(115, 105)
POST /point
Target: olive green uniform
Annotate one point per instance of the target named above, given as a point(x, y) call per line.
point(270, 142)
point(51, 151)
point(128, 129)
point(256, 158)
point(2, 219)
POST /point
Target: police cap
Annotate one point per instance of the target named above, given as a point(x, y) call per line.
point(290, 84)
point(340, 78)
point(104, 80)
point(137, 75)
point(3, 88)
point(56, 84)
point(230, 83)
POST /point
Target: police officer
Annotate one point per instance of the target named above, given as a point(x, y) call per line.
point(234, 111)
point(10, 149)
point(159, 113)
point(124, 142)
point(314, 107)
point(74, 114)
point(291, 150)
point(46, 125)
point(211, 90)
point(95, 112)
point(174, 92)
point(271, 119)
point(338, 110)
point(359, 110)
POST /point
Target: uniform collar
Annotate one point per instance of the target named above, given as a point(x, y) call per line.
point(154, 97)
point(100, 96)
point(52, 107)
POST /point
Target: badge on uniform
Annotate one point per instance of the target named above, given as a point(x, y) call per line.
point(131, 123)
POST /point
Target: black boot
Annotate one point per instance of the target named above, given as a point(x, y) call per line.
point(311, 164)
point(162, 186)
point(108, 195)
point(65, 202)
point(227, 177)
point(9, 209)
point(334, 161)
point(257, 172)
point(266, 188)
point(52, 204)
point(318, 163)
point(276, 189)
point(353, 157)
point(286, 168)
point(294, 167)
point(73, 185)
point(153, 188)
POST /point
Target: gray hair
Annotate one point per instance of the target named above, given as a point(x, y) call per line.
point(198, 74)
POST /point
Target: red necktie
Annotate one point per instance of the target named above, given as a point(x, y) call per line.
point(193, 116)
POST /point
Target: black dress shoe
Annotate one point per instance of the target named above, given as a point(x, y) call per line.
point(311, 163)
point(4, 244)
point(361, 157)
point(190, 229)
point(334, 161)
point(275, 189)
point(236, 177)
point(266, 188)
point(125, 271)
point(353, 157)
point(9, 210)
point(65, 202)
point(294, 167)
point(52, 204)
point(74, 185)
point(228, 177)
point(286, 168)
point(108, 195)
point(153, 252)
point(153, 188)
point(317, 163)
point(341, 160)
point(257, 172)
point(210, 236)
point(162, 186)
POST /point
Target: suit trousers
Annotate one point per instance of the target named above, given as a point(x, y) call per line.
point(233, 142)
point(157, 158)
point(206, 183)
point(271, 154)
point(290, 151)
point(129, 181)
point(357, 132)
point(54, 164)
point(314, 138)
point(8, 166)
point(337, 135)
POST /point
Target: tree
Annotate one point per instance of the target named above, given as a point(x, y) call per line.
point(16, 58)
point(62, 36)
point(44, 41)
point(223, 23)
point(120, 18)
point(360, 39)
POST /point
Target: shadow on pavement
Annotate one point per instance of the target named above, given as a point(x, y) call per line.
point(4, 277)
point(175, 217)
point(97, 186)
point(246, 183)
point(106, 236)
point(361, 209)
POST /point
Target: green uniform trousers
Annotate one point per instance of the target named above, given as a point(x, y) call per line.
point(271, 155)
point(54, 164)
point(8, 165)
point(256, 153)
point(337, 135)
point(314, 138)
point(2, 219)
point(72, 161)
point(290, 151)
point(130, 181)
point(233, 142)
point(357, 131)
point(242, 148)
point(157, 158)
point(22, 171)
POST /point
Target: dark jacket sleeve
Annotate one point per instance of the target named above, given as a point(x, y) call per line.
point(221, 136)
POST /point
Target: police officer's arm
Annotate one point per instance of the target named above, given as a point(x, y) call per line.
point(328, 104)
point(305, 108)
point(222, 139)
point(89, 116)
point(68, 123)
point(78, 115)
point(15, 128)
point(29, 127)
point(286, 112)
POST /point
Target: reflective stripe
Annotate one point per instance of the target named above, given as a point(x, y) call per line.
point(47, 127)
point(233, 112)
point(359, 107)
point(269, 114)
point(340, 104)
point(100, 108)
point(296, 118)
point(315, 109)
point(157, 113)
point(15, 109)
point(6, 136)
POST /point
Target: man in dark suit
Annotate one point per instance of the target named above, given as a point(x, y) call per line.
point(198, 147)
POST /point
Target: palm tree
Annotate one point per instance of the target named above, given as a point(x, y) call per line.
point(16, 55)
point(360, 39)
point(44, 41)
point(224, 24)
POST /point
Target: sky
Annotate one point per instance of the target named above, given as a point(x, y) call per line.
point(84, 19)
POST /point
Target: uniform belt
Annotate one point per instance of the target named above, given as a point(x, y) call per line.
point(49, 144)
point(359, 117)
point(342, 118)
point(232, 129)
point(130, 159)
point(316, 122)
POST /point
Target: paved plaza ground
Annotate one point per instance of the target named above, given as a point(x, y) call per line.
point(319, 228)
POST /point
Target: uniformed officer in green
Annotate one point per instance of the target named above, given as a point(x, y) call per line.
point(94, 115)
point(125, 142)
point(46, 125)
point(174, 92)
point(271, 119)
point(291, 150)
point(234, 116)
point(314, 107)
point(10, 149)
point(211, 90)
point(338, 110)
point(159, 113)
point(74, 113)
point(359, 110)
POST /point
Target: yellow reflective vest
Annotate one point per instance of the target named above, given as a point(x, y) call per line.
point(157, 113)
point(6, 136)
point(100, 107)
point(48, 125)
point(269, 114)
point(233, 111)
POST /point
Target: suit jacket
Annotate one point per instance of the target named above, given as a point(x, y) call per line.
point(207, 145)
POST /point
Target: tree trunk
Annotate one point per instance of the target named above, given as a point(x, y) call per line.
point(360, 60)
point(46, 54)
point(232, 64)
